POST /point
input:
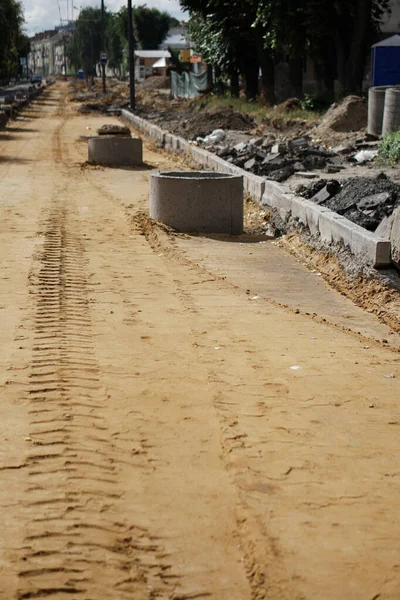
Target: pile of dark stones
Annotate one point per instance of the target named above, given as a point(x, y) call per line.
point(280, 160)
point(363, 200)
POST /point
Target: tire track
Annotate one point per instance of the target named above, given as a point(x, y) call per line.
point(78, 541)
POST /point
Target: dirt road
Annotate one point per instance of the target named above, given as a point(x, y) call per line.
point(155, 441)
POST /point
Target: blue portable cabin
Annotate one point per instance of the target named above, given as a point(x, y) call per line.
point(385, 63)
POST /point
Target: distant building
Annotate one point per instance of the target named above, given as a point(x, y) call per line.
point(147, 62)
point(48, 52)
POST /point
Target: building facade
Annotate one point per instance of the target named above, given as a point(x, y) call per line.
point(48, 53)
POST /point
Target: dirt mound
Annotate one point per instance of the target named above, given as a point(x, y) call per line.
point(348, 115)
point(96, 107)
point(205, 120)
point(155, 83)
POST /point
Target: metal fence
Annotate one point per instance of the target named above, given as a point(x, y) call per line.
point(187, 85)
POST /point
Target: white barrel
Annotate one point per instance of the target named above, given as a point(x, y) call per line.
point(204, 202)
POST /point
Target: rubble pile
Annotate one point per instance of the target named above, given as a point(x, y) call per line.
point(279, 160)
point(363, 200)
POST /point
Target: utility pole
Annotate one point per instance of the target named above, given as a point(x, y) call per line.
point(131, 60)
point(27, 56)
point(103, 66)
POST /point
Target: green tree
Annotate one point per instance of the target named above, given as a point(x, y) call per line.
point(11, 22)
point(220, 47)
point(340, 34)
point(335, 33)
point(236, 22)
point(86, 43)
point(23, 49)
point(114, 44)
point(150, 26)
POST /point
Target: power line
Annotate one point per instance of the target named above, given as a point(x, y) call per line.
point(59, 10)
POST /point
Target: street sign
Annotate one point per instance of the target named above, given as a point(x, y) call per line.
point(103, 58)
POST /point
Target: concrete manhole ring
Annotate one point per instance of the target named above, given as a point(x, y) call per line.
point(115, 150)
point(198, 201)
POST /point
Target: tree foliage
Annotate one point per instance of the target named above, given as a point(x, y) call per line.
point(12, 39)
point(86, 43)
point(336, 34)
point(150, 28)
point(114, 43)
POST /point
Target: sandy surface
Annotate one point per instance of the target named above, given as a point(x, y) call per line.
point(155, 442)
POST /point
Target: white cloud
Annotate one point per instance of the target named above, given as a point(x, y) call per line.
point(42, 14)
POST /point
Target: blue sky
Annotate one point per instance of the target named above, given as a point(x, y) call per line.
point(45, 14)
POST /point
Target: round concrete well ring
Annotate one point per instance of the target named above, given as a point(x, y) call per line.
point(198, 201)
point(117, 151)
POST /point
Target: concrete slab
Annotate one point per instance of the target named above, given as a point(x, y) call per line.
point(216, 163)
point(334, 228)
point(254, 185)
point(175, 143)
point(184, 145)
point(168, 141)
point(313, 214)
point(279, 198)
point(268, 271)
point(373, 250)
point(299, 209)
point(136, 121)
point(199, 156)
point(156, 133)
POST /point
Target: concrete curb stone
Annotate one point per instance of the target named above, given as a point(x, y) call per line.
point(299, 209)
point(395, 238)
point(334, 228)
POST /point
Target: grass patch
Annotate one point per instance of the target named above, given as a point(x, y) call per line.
point(389, 147)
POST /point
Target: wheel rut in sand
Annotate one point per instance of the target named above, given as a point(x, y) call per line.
point(75, 542)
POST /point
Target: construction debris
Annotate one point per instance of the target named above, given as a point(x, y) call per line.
point(273, 159)
point(365, 201)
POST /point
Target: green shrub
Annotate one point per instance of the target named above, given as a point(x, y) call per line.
point(389, 147)
point(313, 103)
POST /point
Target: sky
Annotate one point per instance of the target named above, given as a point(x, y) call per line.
point(45, 14)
